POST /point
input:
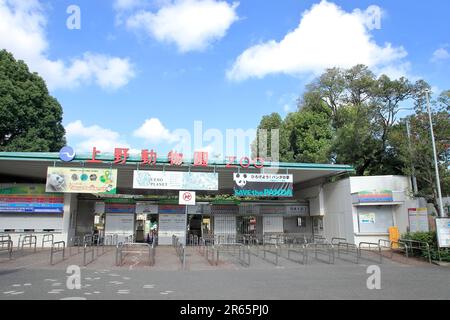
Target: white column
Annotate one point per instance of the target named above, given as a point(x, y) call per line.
point(70, 210)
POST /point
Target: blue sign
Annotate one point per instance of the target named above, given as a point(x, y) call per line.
point(67, 154)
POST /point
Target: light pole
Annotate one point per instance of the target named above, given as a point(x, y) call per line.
point(438, 182)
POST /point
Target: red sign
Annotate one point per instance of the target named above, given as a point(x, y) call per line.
point(150, 158)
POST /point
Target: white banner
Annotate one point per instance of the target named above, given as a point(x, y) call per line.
point(174, 180)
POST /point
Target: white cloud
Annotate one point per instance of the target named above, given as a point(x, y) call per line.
point(440, 55)
point(22, 32)
point(152, 130)
point(191, 24)
point(84, 138)
point(127, 4)
point(327, 36)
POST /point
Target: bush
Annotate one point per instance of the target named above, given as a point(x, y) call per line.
point(431, 239)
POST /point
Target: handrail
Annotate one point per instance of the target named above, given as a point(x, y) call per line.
point(324, 248)
point(56, 247)
point(370, 245)
point(349, 247)
point(9, 246)
point(30, 242)
point(391, 246)
point(276, 252)
point(299, 249)
point(419, 247)
point(49, 237)
point(76, 240)
point(180, 250)
point(122, 249)
point(87, 248)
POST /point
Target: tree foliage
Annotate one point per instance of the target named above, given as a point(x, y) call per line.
point(30, 119)
point(352, 116)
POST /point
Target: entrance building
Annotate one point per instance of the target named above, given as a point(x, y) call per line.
point(317, 205)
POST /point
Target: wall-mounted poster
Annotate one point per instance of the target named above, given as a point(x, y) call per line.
point(367, 218)
point(263, 185)
point(174, 180)
point(443, 232)
point(418, 219)
point(81, 180)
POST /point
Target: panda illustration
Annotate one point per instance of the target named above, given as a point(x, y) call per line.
point(56, 182)
point(241, 179)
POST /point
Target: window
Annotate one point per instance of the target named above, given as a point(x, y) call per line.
point(375, 219)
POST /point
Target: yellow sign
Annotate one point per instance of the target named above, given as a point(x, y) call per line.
point(394, 235)
point(81, 180)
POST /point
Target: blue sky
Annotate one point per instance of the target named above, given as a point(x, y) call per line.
point(137, 70)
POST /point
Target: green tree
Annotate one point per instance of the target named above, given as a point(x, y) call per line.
point(30, 119)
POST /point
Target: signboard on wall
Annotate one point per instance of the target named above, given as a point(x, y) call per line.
point(443, 232)
point(146, 207)
point(81, 180)
point(263, 185)
point(174, 180)
point(375, 196)
point(30, 199)
point(418, 219)
point(119, 208)
point(367, 218)
point(170, 225)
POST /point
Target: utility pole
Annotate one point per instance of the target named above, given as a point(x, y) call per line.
point(438, 182)
point(413, 175)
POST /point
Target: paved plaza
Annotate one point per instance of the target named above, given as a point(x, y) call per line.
point(29, 275)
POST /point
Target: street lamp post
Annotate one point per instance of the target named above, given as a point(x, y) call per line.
point(438, 182)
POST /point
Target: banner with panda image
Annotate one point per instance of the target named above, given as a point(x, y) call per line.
point(81, 180)
point(263, 185)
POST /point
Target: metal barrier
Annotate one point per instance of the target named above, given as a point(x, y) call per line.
point(32, 240)
point(347, 249)
point(418, 245)
point(122, 249)
point(180, 250)
point(56, 247)
point(6, 240)
point(75, 241)
point(382, 244)
point(267, 249)
point(87, 248)
point(302, 250)
point(367, 246)
point(322, 248)
point(212, 255)
point(47, 238)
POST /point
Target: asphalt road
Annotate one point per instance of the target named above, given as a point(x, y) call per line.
point(262, 280)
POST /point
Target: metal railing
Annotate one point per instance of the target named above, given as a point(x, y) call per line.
point(369, 247)
point(272, 249)
point(346, 249)
point(111, 239)
point(300, 249)
point(418, 245)
point(88, 249)
point(49, 237)
point(6, 245)
point(123, 249)
point(180, 250)
point(394, 246)
point(323, 249)
point(29, 240)
point(212, 255)
point(75, 241)
point(59, 246)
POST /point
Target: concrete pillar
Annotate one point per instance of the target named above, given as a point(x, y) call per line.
point(69, 216)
